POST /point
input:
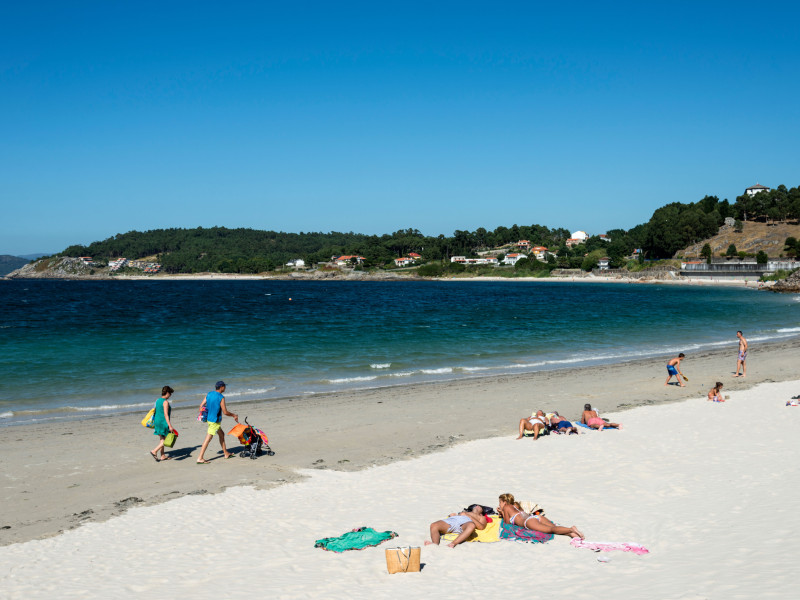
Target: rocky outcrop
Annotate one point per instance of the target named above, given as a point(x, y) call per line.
point(791, 284)
point(58, 267)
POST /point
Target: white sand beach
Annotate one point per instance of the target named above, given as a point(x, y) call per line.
point(708, 488)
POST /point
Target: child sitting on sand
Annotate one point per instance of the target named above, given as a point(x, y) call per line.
point(714, 395)
point(463, 523)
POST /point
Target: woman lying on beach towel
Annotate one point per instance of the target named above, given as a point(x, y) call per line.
point(593, 420)
point(463, 523)
point(560, 425)
point(514, 515)
point(536, 423)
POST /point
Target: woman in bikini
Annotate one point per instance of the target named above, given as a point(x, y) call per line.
point(536, 424)
point(593, 420)
point(514, 515)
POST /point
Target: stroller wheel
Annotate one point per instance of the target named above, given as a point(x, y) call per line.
point(243, 454)
point(270, 453)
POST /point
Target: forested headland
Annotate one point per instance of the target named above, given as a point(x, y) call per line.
point(219, 249)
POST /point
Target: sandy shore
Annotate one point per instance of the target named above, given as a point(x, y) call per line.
point(99, 467)
point(707, 488)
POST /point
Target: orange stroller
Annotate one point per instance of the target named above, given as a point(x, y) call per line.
point(254, 440)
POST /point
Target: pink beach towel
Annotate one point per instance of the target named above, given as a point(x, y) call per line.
point(609, 546)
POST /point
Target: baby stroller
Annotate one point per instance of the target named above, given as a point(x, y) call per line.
point(254, 440)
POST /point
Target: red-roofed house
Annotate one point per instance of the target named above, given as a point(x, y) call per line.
point(348, 259)
point(511, 259)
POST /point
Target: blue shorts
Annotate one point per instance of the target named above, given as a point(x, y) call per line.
point(671, 370)
point(564, 424)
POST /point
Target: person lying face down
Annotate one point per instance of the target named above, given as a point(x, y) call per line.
point(593, 420)
point(561, 425)
point(463, 523)
point(514, 515)
point(537, 424)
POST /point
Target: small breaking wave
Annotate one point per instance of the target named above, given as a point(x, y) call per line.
point(352, 379)
point(380, 365)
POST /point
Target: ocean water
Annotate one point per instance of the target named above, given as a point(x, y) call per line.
point(69, 349)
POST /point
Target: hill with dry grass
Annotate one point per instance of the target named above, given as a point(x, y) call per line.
point(753, 238)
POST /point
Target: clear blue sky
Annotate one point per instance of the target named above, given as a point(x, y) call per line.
point(377, 116)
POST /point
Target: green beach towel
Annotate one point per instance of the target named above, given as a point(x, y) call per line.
point(357, 539)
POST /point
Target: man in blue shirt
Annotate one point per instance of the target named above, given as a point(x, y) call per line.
point(215, 403)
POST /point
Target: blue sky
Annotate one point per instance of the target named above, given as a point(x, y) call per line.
point(378, 116)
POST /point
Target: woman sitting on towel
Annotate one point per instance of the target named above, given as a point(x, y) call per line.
point(593, 420)
point(463, 523)
point(514, 515)
point(715, 395)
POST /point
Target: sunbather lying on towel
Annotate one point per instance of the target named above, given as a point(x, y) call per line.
point(513, 514)
point(463, 523)
point(593, 420)
point(537, 424)
point(561, 425)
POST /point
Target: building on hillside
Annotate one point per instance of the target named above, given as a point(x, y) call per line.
point(405, 261)
point(577, 237)
point(523, 244)
point(87, 260)
point(755, 189)
point(414, 255)
point(604, 237)
point(602, 263)
point(513, 258)
point(349, 259)
point(540, 253)
point(296, 263)
point(116, 265)
point(463, 260)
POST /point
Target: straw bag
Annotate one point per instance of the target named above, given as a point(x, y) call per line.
point(402, 560)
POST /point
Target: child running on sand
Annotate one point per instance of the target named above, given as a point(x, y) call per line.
point(463, 523)
point(715, 395)
point(674, 369)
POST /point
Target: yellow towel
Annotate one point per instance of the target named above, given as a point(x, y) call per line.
point(490, 534)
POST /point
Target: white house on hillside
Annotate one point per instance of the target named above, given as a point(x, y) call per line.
point(511, 259)
point(755, 189)
point(297, 263)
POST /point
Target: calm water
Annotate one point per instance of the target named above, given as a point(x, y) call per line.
point(68, 348)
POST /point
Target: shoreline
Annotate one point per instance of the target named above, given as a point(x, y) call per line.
point(102, 470)
point(398, 277)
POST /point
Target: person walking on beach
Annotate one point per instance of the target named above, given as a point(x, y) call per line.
point(161, 423)
point(740, 363)
point(462, 523)
point(536, 423)
point(215, 404)
point(674, 369)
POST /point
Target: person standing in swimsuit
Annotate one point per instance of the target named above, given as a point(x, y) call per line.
point(536, 424)
point(463, 523)
point(674, 369)
point(742, 355)
point(514, 515)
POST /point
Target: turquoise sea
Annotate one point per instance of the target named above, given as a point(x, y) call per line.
point(69, 349)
